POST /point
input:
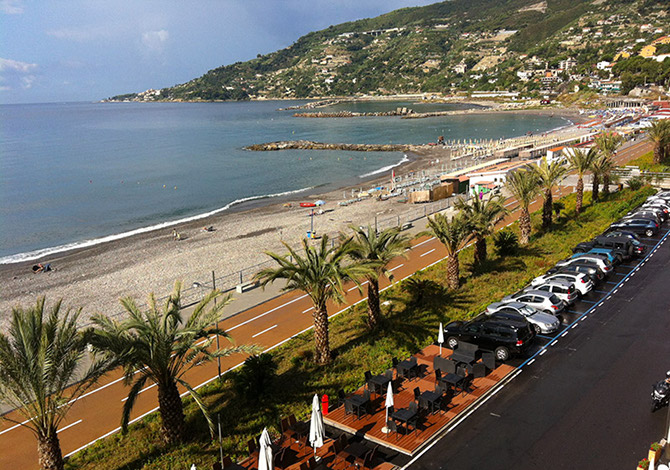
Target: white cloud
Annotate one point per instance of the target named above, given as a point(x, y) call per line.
point(155, 41)
point(11, 7)
point(9, 65)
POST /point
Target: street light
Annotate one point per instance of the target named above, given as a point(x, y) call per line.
point(198, 285)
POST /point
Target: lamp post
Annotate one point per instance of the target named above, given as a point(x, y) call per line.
point(202, 286)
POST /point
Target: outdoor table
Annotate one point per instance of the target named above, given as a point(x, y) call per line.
point(357, 401)
point(405, 416)
point(407, 367)
point(431, 398)
point(454, 381)
point(379, 382)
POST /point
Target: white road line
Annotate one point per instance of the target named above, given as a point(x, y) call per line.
point(265, 331)
point(15, 426)
point(573, 326)
point(68, 426)
point(564, 334)
point(305, 311)
point(543, 351)
point(266, 313)
point(428, 252)
point(554, 342)
point(141, 391)
point(531, 361)
point(425, 241)
point(393, 269)
point(356, 287)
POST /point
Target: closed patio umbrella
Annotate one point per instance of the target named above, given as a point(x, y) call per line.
point(265, 452)
point(440, 337)
point(317, 430)
point(389, 403)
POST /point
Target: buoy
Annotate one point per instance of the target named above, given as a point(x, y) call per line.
point(163, 185)
point(175, 187)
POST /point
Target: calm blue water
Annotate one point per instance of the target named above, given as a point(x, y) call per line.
point(81, 171)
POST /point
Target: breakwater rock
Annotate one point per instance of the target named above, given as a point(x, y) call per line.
point(351, 114)
point(310, 145)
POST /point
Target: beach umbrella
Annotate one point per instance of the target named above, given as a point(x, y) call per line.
point(265, 451)
point(389, 403)
point(317, 430)
point(440, 337)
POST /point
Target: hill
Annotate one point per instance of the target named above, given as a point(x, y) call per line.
point(458, 45)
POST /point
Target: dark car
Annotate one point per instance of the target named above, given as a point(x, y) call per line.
point(639, 247)
point(505, 337)
point(621, 247)
point(645, 226)
point(640, 214)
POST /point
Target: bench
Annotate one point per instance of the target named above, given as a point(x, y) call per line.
point(245, 286)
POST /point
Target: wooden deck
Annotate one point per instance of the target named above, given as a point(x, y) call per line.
point(370, 426)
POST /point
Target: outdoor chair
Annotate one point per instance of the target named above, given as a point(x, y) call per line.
point(348, 408)
point(417, 393)
point(389, 374)
point(298, 428)
point(370, 458)
point(393, 428)
point(368, 376)
point(252, 446)
point(479, 370)
point(489, 360)
point(438, 376)
point(394, 362)
point(279, 459)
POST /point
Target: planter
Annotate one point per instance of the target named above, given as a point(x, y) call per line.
point(654, 455)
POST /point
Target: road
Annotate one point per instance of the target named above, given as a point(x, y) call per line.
point(585, 403)
point(269, 325)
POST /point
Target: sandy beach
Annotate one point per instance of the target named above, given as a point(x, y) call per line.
point(95, 278)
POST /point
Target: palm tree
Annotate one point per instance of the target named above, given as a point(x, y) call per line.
point(482, 216)
point(377, 250)
point(582, 162)
point(549, 175)
point(161, 345)
point(454, 235)
point(42, 353)
point(601, 168)
point(608, 143)
point(524, 186)
point(321, 274)
point(659, 133)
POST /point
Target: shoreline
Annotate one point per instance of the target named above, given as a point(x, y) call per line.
point(94, 277)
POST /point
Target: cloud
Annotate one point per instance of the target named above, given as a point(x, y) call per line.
point(11, 7)
point(155, 41)
point(17, 74)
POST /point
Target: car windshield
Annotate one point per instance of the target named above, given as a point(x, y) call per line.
point(527, 311)
point(554, 299)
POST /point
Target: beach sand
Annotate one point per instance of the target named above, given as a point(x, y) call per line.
point(95, 278)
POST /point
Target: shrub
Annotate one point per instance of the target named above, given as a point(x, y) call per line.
point(656, 446)
point(635, 182)
point(558, 207)
point(255, 377)
point(506, 242)
point(644, 463)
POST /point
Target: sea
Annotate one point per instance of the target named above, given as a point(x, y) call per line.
point(79, 174)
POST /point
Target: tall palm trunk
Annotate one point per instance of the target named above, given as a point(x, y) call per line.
point(547, 209)
point(580, 195)
point(595, 191)
point(374, 310)
point(480, 250)
point(524, 226)
point(606, 185)
point(48, 450)
point(453, 272)
point(321, 339)
point(172, 413)
point(658, 152)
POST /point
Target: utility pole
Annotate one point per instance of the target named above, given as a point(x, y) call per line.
point(218, 359)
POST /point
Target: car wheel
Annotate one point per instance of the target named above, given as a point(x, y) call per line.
point(502, 353)
point(649, 233)
point(537, 329)
point(452, 342)
point(560, 319)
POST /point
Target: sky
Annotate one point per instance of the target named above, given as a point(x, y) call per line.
point(87, 50)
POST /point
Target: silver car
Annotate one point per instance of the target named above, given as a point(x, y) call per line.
point(582, 283)
point(540, 300)
point(542, 322)
point(564, 289)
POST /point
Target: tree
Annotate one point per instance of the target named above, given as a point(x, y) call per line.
point(582, 162)
point(601, 166)
point(454, 235)
point(377, 250)
point(161, 345)
point(607, 143)
point(659, 134)
point(40, 356)
point(524, 186)
point(321, 274)
point(482, 216)
point(549, 175)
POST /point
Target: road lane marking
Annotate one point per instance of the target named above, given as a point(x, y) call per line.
point(305, 311)
point(265, 331)
point(531, 361)
point(428, 252)
point(393, 269)
point(425, 241)
point(69, 426)
point(356, 287)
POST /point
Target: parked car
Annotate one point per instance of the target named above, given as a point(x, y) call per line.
point(657, 205)
point(502, 336)
point(660, 213)
point(605, 266)
point(604, 253)
point(591, 270)
point(639, 214)
point(581, 281)
point(539, 300)
point(561, 288)
point(637, 225)
point(621, 246)
point(542, 322)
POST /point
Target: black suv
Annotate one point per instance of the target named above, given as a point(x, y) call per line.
point(505, 337)
point(621, 247)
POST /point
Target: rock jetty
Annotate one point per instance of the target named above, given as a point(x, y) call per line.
point(351, 114)
point(309, 145)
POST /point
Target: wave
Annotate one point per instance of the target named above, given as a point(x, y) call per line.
point(386, 168)
point(37, 254)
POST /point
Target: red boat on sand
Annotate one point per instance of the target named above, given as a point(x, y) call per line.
point(307, 204)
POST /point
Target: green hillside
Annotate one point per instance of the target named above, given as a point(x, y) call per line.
point(445, 47)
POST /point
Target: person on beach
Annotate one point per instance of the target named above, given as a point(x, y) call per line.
point(40, 268)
